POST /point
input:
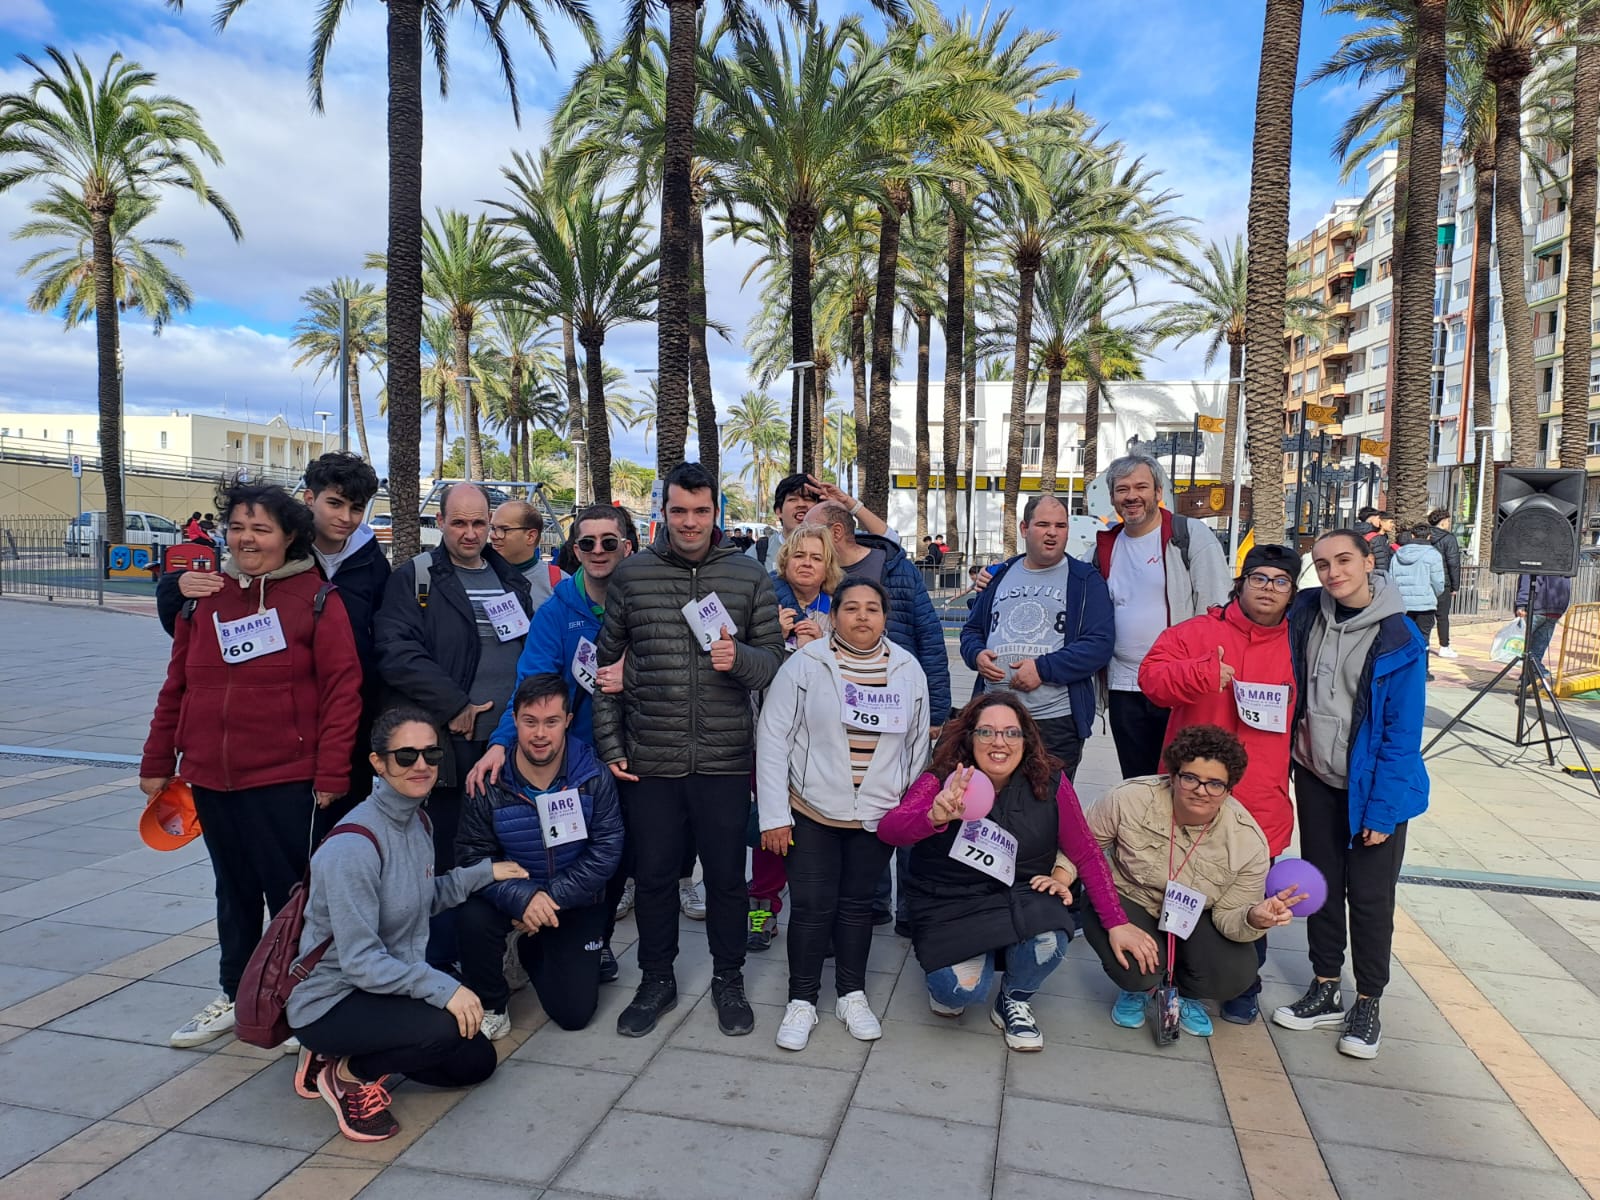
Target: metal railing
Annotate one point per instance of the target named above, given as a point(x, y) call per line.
point(150, 463)
point(1485, 595)
point(1544, 344)
point(1543, 289)
point(39, 558)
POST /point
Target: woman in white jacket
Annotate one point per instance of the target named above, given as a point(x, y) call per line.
point(843, 733)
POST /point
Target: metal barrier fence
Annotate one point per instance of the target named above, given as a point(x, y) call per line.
point(1577, 651)
point(46, 556)
point(1488, 596)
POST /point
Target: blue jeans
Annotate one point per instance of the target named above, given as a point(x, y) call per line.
point(1541, 628)
point(1028, 964)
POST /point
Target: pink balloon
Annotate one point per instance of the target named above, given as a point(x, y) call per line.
point(979, 796)
point(1302, 876)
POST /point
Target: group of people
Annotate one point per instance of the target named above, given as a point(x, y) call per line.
point(531, 751)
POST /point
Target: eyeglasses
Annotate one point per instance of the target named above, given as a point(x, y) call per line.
point(1277, 583)
point(607, 543)
point(502, 530)
point(406, 756)
point(984, 734)
point(1211, 787)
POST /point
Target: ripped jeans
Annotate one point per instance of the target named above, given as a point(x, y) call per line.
point(1028, 964)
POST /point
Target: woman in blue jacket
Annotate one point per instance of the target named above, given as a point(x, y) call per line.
point(1359, 667)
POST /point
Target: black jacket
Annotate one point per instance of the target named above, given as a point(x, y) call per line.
point(1449, 546)
point(428, 656)
point(1382, 549)
point(676, 715)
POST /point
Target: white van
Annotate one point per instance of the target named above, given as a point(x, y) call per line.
point(149, 529)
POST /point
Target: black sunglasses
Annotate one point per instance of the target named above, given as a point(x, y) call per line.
point(607, 543)
point(406, 756)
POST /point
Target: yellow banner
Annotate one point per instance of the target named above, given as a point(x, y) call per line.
point(1369, 446)
point(1322, 414)
point(1211, 424)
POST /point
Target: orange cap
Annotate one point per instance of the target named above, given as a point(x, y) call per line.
point(169, 821)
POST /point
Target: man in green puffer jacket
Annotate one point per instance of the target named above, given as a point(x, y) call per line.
point(695, 623)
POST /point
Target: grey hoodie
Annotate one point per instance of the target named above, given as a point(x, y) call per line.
point(378, 916)
point(1336, 657)
point(331, 562)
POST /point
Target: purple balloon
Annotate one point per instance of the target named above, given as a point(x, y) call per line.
point(1303, 877)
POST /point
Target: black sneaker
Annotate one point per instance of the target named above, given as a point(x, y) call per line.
point(734, 1015)
point(881, 916)
point(902, 929)
point(1014, 1018)
point(654, 997)
point(608, 965)
point(763, 925)
point(1320, 1007)
point(1362, 1029)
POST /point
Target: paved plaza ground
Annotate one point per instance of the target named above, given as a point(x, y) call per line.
point(1488, 1084)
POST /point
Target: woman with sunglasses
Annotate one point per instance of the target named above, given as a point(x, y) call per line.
point(373, 1007)
point(807, 573)
point(1230, 667)
point(987, 898)
point(1185, 829)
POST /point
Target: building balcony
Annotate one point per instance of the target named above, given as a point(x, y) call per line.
point(1544, 346)
point(1338, 307)
point(1551, 229)
point(1336, 349)
point(1542, 290)
point(1342, 268)
point(1544, 403)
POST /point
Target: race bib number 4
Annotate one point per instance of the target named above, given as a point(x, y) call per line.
point(585, 664)
point(506, 615)
point(561, 817)
point(250, 637)
point(877, 709)
point(708, 618)
point(985, 847)
point(1180, 909)
point(1263, 706)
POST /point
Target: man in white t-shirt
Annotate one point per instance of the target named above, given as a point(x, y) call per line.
point(1160, 569)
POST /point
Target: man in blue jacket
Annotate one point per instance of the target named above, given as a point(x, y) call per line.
point(1043, 627)
point(555, 813)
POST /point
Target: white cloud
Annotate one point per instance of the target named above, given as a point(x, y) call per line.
point(26, 18)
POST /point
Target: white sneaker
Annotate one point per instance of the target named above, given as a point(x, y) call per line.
point(854, 1011)
point(625, 902)
point(495, 1025)
point(1447, 652)
point(689, 900)
point(210, 1023)
point(290, 1046)
point(511, 965)
point(799, 1019)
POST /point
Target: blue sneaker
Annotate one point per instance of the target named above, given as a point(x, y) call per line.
point(1242, 1010)
point(1128, 1011)
point(1193, 1018)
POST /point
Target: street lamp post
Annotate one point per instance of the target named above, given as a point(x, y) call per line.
point(972, 526)
point(1072, 471)
point(466, 382)
point(578, 446)
point(122, 432)
point(324, 414)
point(800, 448)
point(1485, 449)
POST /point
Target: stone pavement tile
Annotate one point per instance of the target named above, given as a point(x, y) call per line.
point(1081, 976)
point(60, 1172)
point(1011, 1185)
point(141, 1011)
point(715, 1087)
point(59, 946)
point(417, 1107)
point(324, 1177)
point(406, 1183)
point(1419, 1066)
point(894, 1154)
point(1403, 1016)
point(265, 1109)
point(26, 1133)
point(642, 1155)
point(7, 1032)
point(17, 983)
point(597, 1045)
point(766, 981)
point(186, 1093)
point(42, 864)
point(1278, 1165)
point(196, 879)
point(1261, 1101)
point(1186, 1091)
point(149, 911)
point(142, 964)
point(909, 1004)
point(17, 829)
point(180, 1166)
point(1067, 1141)
point(85, 838)
point(521, 1126)
point(7, 882)
point(931, 1072)
point(90, 1077)
point(1068, 1021)
point(45, 897)
point(65, 997)
point(1540, 1005)
point(1365, 1171)
point(1575, 1059)
point(198, 969)
point(831, 1044)
point(1414, 1123)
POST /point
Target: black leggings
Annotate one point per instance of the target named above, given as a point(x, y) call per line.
point(399, 1035)
point(833, 875)
point(1209, 967)
point(562, 963)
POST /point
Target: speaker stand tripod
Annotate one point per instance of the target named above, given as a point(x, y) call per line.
point(1533, 679)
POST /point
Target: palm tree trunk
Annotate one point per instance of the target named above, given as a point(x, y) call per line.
point(403, 286)
point(470, 403)
point(599, 463)
point(801, 224)
point(569, 354)
point(1049, 459)
point(1028, 271)
point(1483, 166)
point(873, 444)
point(672, 307)
point(514, 418)
point(1230, 423)
point(858, 362)
point(1268, 227)
point(1580, 246)
point(355, 407)
point(955, 324)
point(1514, 312)
point(1410, 399)
point(1091, 408)
point(705, 404)
point(107, 333)
point(440, 432)
point(924, 320)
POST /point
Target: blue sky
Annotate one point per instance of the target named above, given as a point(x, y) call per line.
point(1173, 79)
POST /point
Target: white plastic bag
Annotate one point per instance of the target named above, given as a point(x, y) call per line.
point(1508, 643)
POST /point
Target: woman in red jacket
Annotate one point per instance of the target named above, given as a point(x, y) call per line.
point(261, 700)
point(1231, 667)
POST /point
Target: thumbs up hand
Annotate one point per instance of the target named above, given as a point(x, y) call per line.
point(723, 651)
point(1225, 672)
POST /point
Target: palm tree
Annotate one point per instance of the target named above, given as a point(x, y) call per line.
point(1580, 250)
point(106, 141)
point(316, 336)
point(531, 368)
point(756, 423)
point(64, 273)
point(438, 381)
point(1267, 285)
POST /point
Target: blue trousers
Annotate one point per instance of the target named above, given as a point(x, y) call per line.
point(1027, 965)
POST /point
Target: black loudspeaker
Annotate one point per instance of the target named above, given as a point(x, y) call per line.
point(1536, 522)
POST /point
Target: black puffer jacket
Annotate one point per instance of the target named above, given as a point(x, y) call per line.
point(676, 715)
point(1449, 546)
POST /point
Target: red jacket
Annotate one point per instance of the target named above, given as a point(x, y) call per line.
point(1182, 673)
point(280, 718)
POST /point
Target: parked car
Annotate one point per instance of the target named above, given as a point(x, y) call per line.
point(150, 529)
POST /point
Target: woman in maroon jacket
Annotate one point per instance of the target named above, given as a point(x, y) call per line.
point(261, 701)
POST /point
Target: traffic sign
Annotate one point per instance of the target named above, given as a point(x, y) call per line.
point(77, 466)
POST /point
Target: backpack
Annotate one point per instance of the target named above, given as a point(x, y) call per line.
point(422, 565)
point(1180, 539)
point(763, 544)
point(276, 966)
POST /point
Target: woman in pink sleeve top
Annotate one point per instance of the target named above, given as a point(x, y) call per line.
point(986, 895)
